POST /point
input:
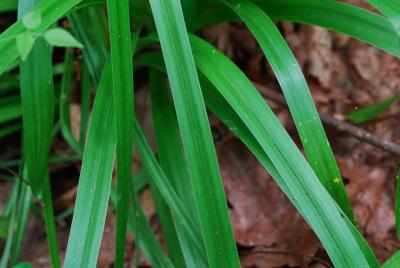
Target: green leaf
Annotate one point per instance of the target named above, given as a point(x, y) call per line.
point(163, 211)
point(91, 204)
point(121, 62)
point(297, 94)
point(138, 224)
point(11, 212)
point(171, 158)
point(179, 210)
point(32, 20)
point(90, 27)
point(23, 265)
point(4, 222)
point(25, 43)
point(10, 108)
point(196, 135)
point(369, 113)
point(85, 103)
point(24, 206)
point(65, 102)
point(392, 262)
point(10, 129)
point(216, 103)
point(8, 5)
point(49, 223)
point(59, 37)
point(391, 9)
point(94, 181)
point(306, 192)
point(37, 102)
point(333, 15)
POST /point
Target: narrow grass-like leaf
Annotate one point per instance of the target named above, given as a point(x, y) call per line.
point(122, 72)
point(90, 28)
point(392, 262)
point(171, 158)
point(94, 181)
point(196, 135)
point(65, 101)
point(25, 199)
point(91, 204)
point(224, 112)
point(37, 102)
point(10, 129)
point(333, 15)
point(23, 265)
point(137, 223)
point(10, 234)
point(179, 210)
point(189, 8)
point(167, 225)
point(50, 223)
point(8, 5)
point(297, 94)
point(318, 208)
point(8, 82)
point(10, 108)
point(369, 113)
point(391, 9)
point(85, 103)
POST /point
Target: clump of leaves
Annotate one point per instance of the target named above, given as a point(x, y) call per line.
point(185, 180)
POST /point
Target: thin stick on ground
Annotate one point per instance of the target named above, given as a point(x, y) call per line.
point(340, 125)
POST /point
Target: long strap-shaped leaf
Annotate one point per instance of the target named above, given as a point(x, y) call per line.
point(333, 15)
point(171, 158)
point(94, 181)
point(222, 109)
point(319, 209)
point(196, 135)
point(50, 10)
point(89, 26)
point(301, 105)
point(65, 101)
point(138, 224)
point(37, 102)
point(10, 108)
point(160, 105)
point(94, 189)
point(224, 112)
point(180, 212)
point(149, 243)
point(392, 262)
point(24, 209)
point(7, 6)
point(121, 62)
point(391, 9)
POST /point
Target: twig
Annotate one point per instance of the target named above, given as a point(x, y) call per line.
point(340, 125)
